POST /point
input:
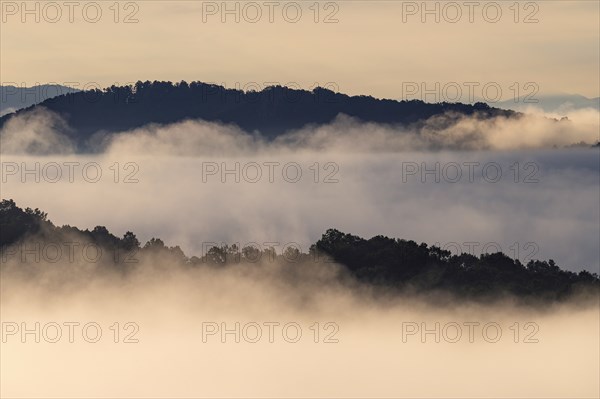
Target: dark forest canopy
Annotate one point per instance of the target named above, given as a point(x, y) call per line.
point(272, 111)
point(378, 261)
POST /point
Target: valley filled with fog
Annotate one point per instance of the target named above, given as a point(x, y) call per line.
point(320, 199)
point(194, 183)
point(261, 330)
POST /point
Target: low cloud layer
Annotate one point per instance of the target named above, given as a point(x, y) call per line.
point(42, 132)
point(197, 184)
point(252, 331)
point(194, 183)
point(36, 132)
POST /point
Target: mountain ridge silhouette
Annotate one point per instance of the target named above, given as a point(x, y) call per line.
point(271, 112)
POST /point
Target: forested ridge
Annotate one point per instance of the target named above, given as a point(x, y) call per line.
point(272, 111)
point(379, 261)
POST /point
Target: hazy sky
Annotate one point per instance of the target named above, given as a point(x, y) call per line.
point(374, 48)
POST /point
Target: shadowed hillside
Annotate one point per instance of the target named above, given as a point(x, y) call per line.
point(272, 111)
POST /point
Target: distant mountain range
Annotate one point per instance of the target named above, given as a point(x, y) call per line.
point(271, 112)
point(560, 103)
point(13, 98)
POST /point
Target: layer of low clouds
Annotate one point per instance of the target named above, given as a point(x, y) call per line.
point(198, 184)
point(499, 184)
point(315, 339)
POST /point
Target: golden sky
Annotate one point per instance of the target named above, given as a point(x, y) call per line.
point(380, 48)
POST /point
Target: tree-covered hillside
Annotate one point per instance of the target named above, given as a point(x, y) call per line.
point(379, 261)
point(271, 112)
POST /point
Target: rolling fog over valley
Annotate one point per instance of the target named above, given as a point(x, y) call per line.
point(220, 314)
point(191, 183)
point(326, 199)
